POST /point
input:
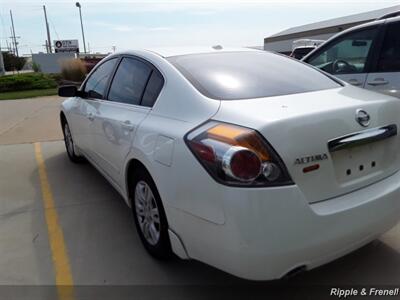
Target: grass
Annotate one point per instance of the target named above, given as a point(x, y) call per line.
point(27, 85)
point(27, 94)
point(27, 81)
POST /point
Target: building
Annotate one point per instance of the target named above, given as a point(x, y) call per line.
point(282, 42)
point(256, 47)
point(51, 62)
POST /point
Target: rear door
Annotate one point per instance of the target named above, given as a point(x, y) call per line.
point(347, 57)
point(132, 92)
point(386, 73)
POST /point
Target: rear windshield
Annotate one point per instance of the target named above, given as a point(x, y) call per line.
point(244, 75)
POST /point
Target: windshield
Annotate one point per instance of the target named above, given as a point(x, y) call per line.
point(244, 75)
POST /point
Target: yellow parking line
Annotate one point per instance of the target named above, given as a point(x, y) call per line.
point(61, 265)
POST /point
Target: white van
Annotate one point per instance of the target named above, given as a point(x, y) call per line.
point(302, 47)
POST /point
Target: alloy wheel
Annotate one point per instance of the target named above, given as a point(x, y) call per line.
point(147, 213)
point(68, 140)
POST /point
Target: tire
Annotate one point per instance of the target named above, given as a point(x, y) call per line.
point(69, 144)
point(149, 215)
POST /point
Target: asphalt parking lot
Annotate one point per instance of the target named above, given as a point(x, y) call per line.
point(63, 223)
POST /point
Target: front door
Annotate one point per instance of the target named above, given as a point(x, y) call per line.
point(346, 57)
point(386, 76)
point(120, 115)
point(88, 106)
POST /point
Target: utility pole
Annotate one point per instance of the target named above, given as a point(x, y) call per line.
point(77, 4)
point(8, 46)
point(48, 31)
point(12, 49)
point(13, 34)
point(2, 69)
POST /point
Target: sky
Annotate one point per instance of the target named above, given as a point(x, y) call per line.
point(145, 24)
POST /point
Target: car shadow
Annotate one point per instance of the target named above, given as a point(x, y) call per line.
point(104, 248)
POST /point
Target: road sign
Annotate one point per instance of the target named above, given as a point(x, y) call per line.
point(66, 46)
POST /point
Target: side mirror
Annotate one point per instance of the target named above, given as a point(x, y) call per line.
point(67, 91)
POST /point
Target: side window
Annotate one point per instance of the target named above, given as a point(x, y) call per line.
point(96, 84)
point(153, 89)
point(347, 55)
point(389, 60)
point(129, 81)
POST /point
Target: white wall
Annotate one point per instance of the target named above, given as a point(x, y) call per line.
point(50, 63)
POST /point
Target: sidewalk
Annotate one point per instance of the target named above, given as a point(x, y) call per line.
point(30, 120)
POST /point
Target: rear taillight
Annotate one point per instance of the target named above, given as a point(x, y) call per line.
point(238, 156)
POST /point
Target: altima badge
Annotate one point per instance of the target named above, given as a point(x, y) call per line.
point(311, 158)
point(362, 117)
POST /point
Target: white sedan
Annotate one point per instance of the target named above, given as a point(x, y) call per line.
point(246, 160)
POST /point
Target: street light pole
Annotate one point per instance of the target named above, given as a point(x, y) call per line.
point(83, 34)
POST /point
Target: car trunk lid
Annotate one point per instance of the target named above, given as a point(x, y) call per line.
point(310, 129)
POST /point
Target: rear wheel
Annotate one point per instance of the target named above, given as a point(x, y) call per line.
point(69, 144)
point(149, 215)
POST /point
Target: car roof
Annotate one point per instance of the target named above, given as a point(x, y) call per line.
point(176, 51)
point(364, 25)
point(392, 19)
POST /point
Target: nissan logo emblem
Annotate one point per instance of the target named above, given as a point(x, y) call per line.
point(362, 117)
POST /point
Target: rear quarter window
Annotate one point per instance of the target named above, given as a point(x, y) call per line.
point(244, 75)
point(153, 89)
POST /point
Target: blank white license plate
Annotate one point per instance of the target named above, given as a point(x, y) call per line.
point(363, 161)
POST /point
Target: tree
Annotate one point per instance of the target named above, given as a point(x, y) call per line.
point(12, 62)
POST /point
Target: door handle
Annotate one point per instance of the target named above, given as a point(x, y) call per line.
point(378, 81)
point(354, 82)
point(90, 116)
point(128, 125)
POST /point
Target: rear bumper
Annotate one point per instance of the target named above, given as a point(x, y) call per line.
point(269, 232)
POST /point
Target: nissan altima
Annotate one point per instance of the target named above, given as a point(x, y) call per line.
point(246, 160)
